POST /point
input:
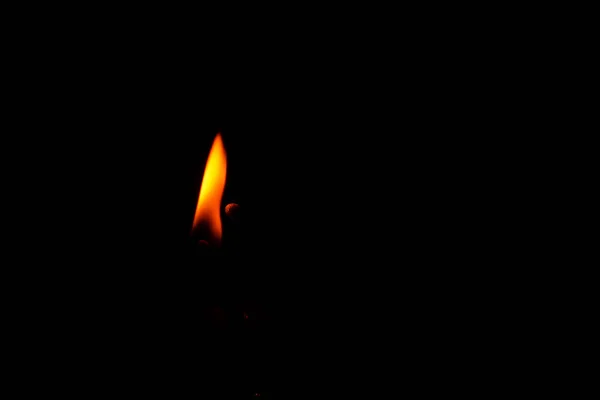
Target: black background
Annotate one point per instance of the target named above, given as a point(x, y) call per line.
point(332, 254)
point(348, 182)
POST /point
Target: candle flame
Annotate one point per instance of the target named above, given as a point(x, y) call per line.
point(208, 210)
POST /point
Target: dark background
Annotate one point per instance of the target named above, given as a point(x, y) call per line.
point(335, 250)
point(369, 152)
point(343, 200)
point(351, 190)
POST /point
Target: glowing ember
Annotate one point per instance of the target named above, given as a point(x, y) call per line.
point(208, 210)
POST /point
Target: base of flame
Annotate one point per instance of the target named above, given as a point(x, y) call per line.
point(203, 236)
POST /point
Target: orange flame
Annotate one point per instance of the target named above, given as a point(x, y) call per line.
point(208, 210)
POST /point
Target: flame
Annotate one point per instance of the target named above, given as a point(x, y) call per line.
point(208, 210)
